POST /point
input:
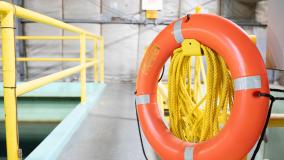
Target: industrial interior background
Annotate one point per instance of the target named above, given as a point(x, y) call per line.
point(127, 34)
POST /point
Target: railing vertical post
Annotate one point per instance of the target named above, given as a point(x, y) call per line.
point(102, 63)
point(9, 84)
point(83, 70)
point(96, 75)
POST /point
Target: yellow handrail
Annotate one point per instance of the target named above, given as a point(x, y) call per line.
point(49, 37)
point(39, 18)
point(83, 70)
point(54, 37)
point(30, 59)
point(9, 84)
point(102, 60)
point(96, 75)
point(37, 83)
point(11, 91)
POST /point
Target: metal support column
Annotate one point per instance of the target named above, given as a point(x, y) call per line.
point(9, 84)
point(83, 70)
point(102, 60)
point(96, 75)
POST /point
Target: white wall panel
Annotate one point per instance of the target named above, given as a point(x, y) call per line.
point(118, 8)
point(52, 8)
point(82, 10)
point(170, 9)
point(121, 43)
point(187, 6)
point(43, 48)
point(275, 48)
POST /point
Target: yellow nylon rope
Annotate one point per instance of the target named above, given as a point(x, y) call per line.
point(196, 116)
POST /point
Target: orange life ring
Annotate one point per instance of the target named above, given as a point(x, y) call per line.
point(245, 63)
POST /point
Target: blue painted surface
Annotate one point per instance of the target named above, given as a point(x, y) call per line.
point(57, 139)
point(50, 103)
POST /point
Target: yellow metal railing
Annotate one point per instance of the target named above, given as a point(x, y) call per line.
point(12, 91)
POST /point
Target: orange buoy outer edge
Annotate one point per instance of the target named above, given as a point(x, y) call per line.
point(247, 68)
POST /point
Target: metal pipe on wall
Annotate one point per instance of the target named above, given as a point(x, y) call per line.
point(146, 22)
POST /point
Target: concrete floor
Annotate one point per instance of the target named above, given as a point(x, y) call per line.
point(109, 132)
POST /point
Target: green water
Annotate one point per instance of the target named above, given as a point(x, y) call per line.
point(38, 116)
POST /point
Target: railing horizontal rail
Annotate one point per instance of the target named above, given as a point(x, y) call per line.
point(23, 59)
point(51, 37)
point(37, 17)
point(34, 84)
point(276, 120)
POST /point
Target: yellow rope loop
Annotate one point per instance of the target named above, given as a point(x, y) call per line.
point(196, 115)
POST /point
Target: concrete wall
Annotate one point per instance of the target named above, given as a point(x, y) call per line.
point(124, 43)
point(275, 55)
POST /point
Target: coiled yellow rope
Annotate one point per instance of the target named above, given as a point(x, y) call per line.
point(196, 116)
